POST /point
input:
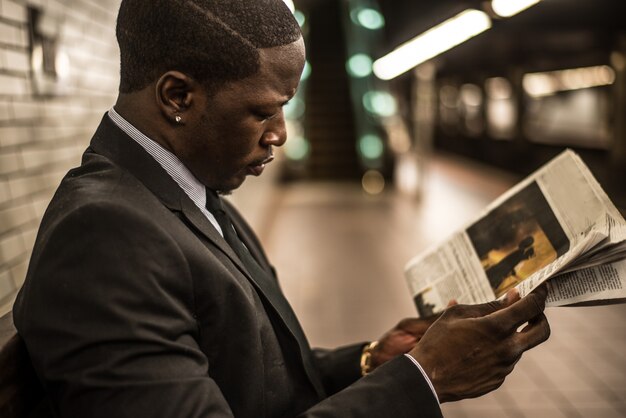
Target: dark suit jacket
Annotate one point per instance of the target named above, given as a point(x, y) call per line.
point(134, 306)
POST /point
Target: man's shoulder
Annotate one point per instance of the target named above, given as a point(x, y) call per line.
point(98, 185)
point(96, 176)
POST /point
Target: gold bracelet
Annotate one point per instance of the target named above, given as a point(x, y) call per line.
point(366, 358)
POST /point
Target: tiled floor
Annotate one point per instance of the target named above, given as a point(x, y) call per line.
point(340, 256)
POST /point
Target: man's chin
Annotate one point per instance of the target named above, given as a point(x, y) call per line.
point(228, 187)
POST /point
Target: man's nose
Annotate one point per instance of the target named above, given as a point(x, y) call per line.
point(276, 133)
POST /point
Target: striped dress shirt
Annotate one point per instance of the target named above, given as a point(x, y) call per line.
point(171, 164)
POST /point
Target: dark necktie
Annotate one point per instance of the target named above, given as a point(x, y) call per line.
point(263, 278)
point(214, 205)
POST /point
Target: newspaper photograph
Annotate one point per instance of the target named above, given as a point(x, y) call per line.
point(517, 239)
point(557, 224)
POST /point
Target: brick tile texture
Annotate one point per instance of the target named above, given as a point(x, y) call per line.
point(41, 137)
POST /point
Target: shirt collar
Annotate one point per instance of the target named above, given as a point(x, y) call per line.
point(170, 163)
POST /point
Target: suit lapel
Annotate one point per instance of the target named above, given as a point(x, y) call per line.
point(196, 218)
point(111, 142)
point(268, 285)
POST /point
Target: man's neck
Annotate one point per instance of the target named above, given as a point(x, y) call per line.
point(139, 110)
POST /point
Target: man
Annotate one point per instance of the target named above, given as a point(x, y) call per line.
point(141, 299)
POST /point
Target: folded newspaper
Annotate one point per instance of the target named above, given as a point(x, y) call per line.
point(556, 227)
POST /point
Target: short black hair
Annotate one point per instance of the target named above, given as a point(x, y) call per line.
point(213, 41)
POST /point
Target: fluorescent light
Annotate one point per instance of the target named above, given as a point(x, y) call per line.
point(297, 148)
point(508, 8)
point(306, 71)
point(371, 146)
point(380, 103)
point(373, 182)
point(290, 4)
point(431, 43)
point(471, 95)
point(359, 65)
point(498, 88)
point(300, 17)
point(369, 18)
point(549, 83)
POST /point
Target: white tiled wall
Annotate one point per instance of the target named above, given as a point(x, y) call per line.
point(42, 137)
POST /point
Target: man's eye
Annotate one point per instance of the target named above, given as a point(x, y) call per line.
point(265, 116)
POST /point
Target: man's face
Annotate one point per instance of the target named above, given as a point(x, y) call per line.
point(231, 133)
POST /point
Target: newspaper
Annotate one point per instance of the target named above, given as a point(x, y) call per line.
point(557, 227)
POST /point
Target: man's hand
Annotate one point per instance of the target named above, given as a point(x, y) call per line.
point(401, 339)
point(470, 349)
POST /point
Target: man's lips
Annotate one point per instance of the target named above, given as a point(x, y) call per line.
point(256, 169)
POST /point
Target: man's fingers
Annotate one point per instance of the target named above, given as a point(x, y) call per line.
point(484, 309)
point(452, 302)
point(533, 334)
point(512, 296)
point(541, 291)
point(512, 317)
point(417, 326)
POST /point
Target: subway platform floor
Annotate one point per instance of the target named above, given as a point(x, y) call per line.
point(340, 256)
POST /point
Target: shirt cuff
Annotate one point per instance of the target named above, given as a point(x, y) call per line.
point(432, 388)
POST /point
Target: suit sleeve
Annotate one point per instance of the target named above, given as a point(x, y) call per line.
point(395, 389)
point(340, 367)
point(107, 316)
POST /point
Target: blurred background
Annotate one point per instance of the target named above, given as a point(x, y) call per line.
point(410, 118)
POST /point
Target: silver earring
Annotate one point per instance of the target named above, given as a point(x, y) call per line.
point(178, 118)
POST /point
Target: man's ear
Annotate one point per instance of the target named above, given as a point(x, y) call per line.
point(174, 95)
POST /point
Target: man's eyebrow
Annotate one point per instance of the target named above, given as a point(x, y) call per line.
point(278, 102)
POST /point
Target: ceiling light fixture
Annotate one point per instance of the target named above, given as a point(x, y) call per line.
point(431, 43)
point(549, 83)
point(508, 8)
